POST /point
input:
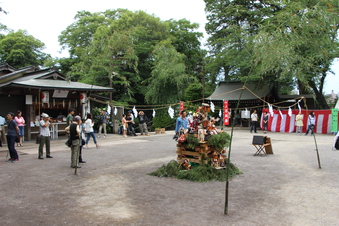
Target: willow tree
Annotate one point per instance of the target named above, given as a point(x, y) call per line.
point(300, 43)
point(168, 77)
point(274, 42)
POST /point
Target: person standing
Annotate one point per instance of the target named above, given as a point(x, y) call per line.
point(336, 142)
point(102, 123)
point(130, 123)
point(143, 120)
point(254, 120)
point(124, 125)
point(2, 131)
point(12, 133)
point(45, 136)
point(74, 131)
point(181, 122)
point(21, 123)
point(265, 122)
point(69, 118)
point(89, 130)
point(311, 123)
point(299, 123)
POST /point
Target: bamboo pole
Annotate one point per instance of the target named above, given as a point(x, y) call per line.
point(229, 157)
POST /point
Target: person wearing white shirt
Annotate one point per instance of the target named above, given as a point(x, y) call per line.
point(89, 130)
point(45, 136)
point(254, 120)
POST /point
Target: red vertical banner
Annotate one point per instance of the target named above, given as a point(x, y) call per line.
point(182, 106)
point(226, 113)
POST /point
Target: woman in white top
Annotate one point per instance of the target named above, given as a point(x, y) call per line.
point(89, 130)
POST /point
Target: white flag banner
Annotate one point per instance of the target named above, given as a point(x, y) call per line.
point(153, 114)
point(299, 107)
point(63, 103)
point(220, 113)
point(246, 113)
point(115, 111)
point(212, 106)
point(109, 109)
point(135, 112)
point(171, 112)
point(289, 112)
point(280, 113)
point(270, 109)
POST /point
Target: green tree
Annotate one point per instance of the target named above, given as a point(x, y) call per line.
point(274, 42)
point(168, 80)
point(90, 42)
point(80, 33)
point(185, 39)
point(299, 44)
point(19, 49)
point(110, 59)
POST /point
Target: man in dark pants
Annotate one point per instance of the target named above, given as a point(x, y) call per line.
point(45, 136)
point(130, 123)
point(12, 133)
point(254, 121)
point(74, 132)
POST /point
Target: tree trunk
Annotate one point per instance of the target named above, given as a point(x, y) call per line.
point(320, 99)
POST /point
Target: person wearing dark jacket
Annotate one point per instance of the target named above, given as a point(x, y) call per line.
point(130, 123)
point(74, 131)
point(12, 133)
point(143, 120)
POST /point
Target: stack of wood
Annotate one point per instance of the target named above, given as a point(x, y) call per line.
point(202, 154)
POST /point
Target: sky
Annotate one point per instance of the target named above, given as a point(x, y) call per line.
point(45, 20)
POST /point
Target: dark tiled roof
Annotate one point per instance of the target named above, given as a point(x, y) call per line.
point(232, 91)
point(45, 79)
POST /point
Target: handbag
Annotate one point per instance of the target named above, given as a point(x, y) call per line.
point(68, 142)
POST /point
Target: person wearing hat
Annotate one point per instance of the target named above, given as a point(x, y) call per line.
point(45, 136)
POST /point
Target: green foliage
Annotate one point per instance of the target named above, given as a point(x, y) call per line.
point(162, 121)
point(19, 49)
point(193, 92)
point(220, 140)
point(95, 37)
point(169, 170)
point(192, 141)
point(200, 173)
point(168, 78)
point(285, 43)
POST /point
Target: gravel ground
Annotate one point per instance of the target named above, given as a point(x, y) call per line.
point(113, 188)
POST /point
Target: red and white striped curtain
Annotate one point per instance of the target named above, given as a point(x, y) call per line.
point(286, 124)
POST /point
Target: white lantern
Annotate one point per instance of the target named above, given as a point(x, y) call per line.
point(45, 97)
point(83, 98)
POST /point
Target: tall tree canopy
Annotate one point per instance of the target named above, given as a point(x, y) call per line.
point(275, 42)
point(169, 79)
point(94, 38)
point(19, 49)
